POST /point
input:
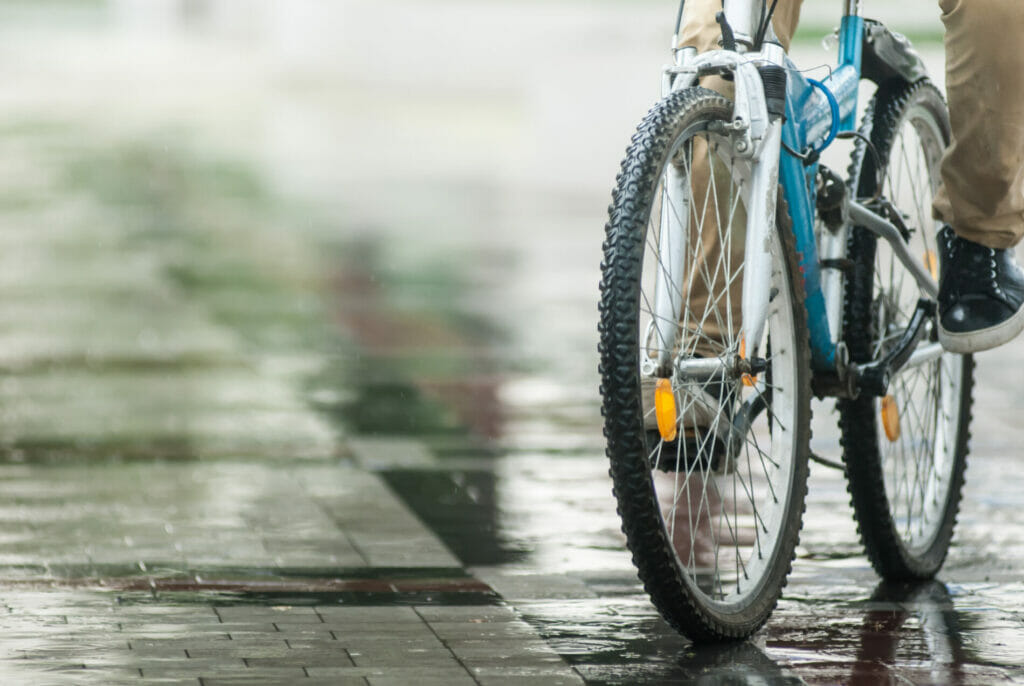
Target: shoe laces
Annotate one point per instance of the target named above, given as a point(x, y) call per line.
point(965, 272)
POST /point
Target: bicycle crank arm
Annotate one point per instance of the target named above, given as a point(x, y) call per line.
point(873, 378)
point(883, 228)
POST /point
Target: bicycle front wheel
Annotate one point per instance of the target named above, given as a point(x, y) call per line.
point(711, 493)
point(905, 454)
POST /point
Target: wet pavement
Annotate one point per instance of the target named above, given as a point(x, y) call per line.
point(299, 367)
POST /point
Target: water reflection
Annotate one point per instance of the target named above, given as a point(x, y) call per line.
point(909, 633)
point(903, 633)
point(741, 664)
point(913, 629)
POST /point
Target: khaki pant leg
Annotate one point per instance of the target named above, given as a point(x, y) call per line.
point(982, 192)
point(715, 257)
point(701, 31)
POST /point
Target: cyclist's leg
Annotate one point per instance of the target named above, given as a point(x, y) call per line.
point(982, 194)
point(981, 290)
point(701, 31)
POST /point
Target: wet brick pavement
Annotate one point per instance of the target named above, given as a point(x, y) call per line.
point(267, 420)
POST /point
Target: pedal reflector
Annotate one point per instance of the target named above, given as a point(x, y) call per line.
point(665, 409)
point(890, 418)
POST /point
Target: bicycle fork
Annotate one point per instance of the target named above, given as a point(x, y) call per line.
point(754, 137)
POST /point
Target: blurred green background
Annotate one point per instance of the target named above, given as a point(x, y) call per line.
point(228, 227)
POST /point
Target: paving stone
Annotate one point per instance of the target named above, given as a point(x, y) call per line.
point(328, 644)
point(258, 638)
point(201, 623)
point(203, 628)
point(341, 630)
point(166, 613)
point(153, 667)
point(304, 630)
point(455, 631)
point(504, 660)
point(568, 679)
point(519, 586)
point(426, 658)
point(302, 659)
point(177, 642)
point(280, 675)
point(258, 613)
point(391, 537)
point(256, 680)
point(376, 644)
point(481, 613)
point(242, 650)
point(400, 549)
point(424, 680)
point(368, 615)
point(411, 675)
point(501, 646)
point(516, 671)
point(290, 620)
point(390, 453)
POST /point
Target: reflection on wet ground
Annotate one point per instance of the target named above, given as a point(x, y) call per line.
point(252, 401)
point(540, 528)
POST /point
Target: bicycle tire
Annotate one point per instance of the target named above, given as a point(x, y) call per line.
point(682, 590)
point(905, 491)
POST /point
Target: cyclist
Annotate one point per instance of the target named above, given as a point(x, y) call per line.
point(981, 197)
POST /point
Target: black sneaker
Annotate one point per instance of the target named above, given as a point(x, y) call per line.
point(981, 295)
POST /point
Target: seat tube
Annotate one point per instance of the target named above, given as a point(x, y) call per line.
point(851, 48)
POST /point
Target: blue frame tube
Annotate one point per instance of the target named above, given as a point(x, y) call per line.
point(851, 50)
point(796, 187)
point(809, 124)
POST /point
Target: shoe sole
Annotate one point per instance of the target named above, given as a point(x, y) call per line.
point(983, 339)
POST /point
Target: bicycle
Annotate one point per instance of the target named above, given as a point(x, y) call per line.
point(727, 301)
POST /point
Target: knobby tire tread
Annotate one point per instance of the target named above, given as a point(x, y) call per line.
point(633, 489)
point(857, 417)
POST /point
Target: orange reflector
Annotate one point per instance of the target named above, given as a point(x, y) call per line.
point(931, 263)
point(748, 380)
point(665, 409)
point(891, 418)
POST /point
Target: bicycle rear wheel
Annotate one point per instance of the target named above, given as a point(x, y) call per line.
point(905, 454)
point(713, 514)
